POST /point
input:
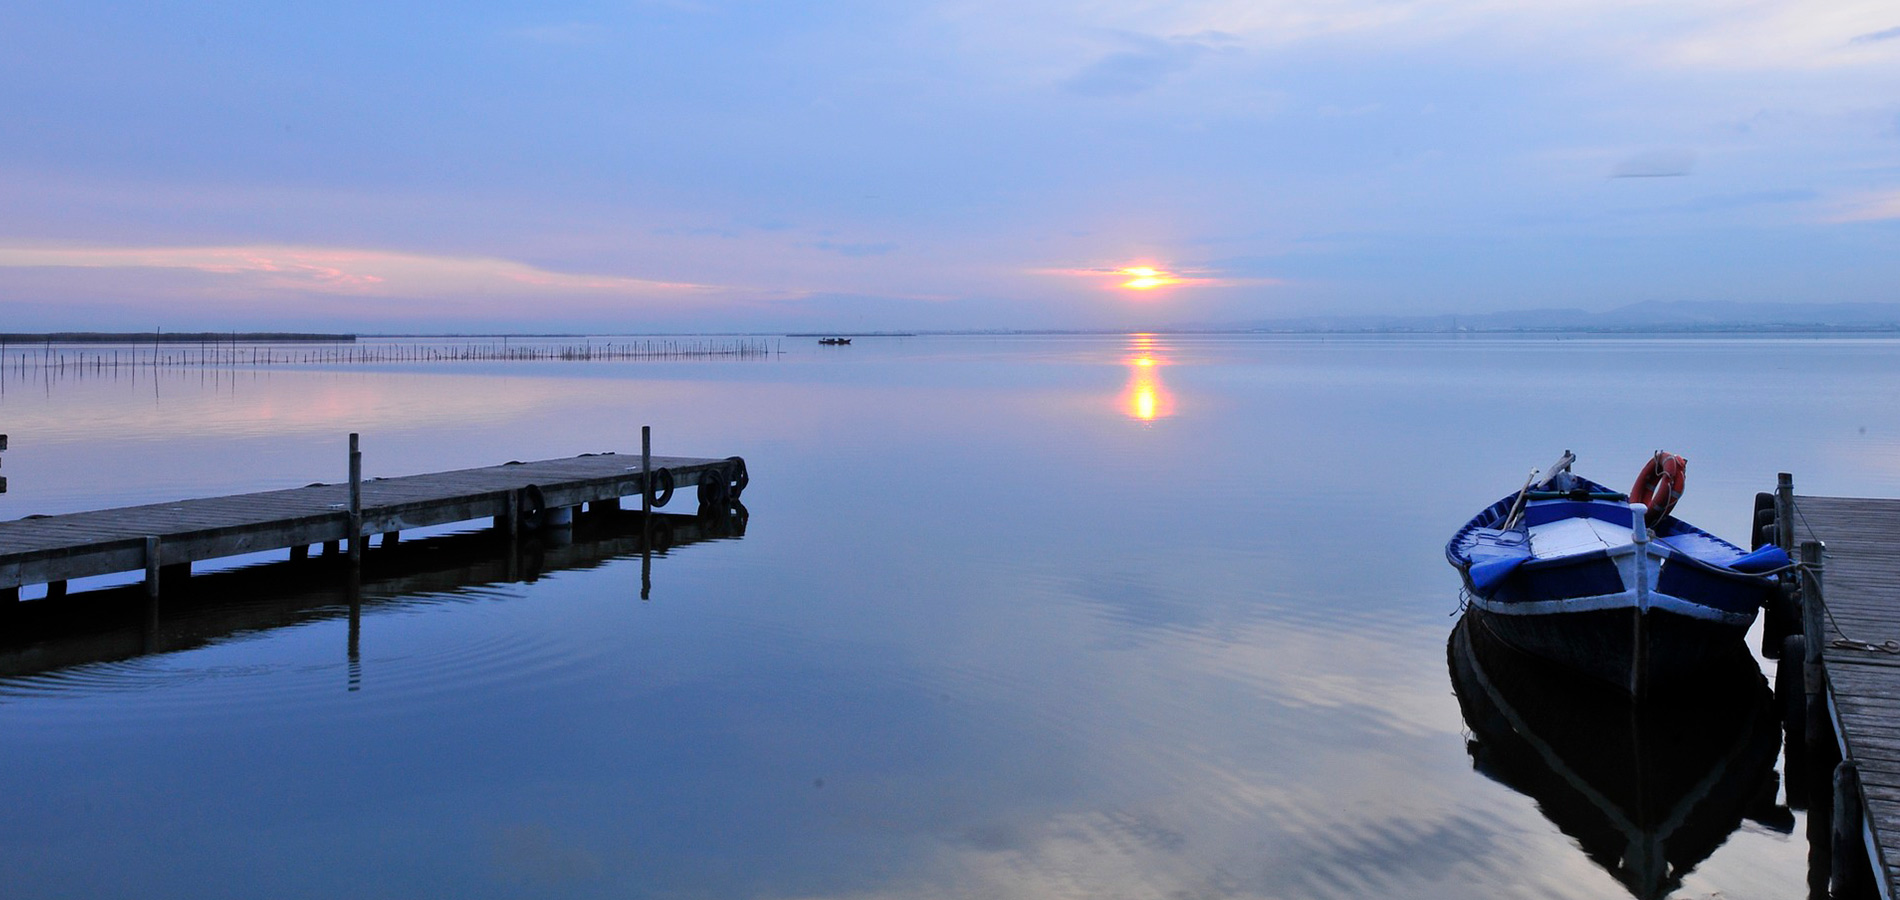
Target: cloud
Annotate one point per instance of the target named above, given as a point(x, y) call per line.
point(1875, 36)
point(856, 250)
point(1142, 276)
point(1876, 206)
point(1129, 72)
point(329, 270)
point(561, 34)
point(1764, 36)
point(1655, 164)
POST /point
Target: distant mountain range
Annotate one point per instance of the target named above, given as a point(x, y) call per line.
point(1638, 318)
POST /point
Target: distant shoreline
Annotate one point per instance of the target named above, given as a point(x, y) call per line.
point(181, 337)
point(1869, 329)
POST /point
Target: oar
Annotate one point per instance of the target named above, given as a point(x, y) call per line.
point(1518, 504)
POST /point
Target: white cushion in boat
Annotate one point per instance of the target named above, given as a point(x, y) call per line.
point(1568, 537)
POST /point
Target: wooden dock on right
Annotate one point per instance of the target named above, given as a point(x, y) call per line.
point(1850, 550)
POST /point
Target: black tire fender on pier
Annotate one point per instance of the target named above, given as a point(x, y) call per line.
point(714, 487)
point(737, 472)
point(660, 486)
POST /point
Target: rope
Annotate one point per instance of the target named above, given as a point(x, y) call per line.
point(1803, 517)
point(1843, 642)
point(1464, 601)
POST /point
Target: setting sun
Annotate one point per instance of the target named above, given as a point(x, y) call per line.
point(1146, 277)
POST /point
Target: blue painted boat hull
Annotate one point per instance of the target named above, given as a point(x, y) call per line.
point(1625, 619)
point(1623, 647)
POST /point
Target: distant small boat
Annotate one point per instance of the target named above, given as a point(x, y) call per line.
point(1577, 573)
point(834, 340)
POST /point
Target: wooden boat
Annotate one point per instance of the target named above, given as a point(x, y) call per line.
point(1648, 788)
point(1575, 572)
point(835, 341)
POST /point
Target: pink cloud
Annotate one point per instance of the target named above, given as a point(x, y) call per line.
point(324, 270)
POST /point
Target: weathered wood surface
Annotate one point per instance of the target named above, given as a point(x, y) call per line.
point(77, 545)
point(1861, 590)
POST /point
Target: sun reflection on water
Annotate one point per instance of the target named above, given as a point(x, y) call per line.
point(1145, 398)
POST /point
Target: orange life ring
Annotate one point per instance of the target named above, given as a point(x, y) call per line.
point(1659, 485)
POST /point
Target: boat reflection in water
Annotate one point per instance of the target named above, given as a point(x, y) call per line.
point(116, 624)
point(1648, 788)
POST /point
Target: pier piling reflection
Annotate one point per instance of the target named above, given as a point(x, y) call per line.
point(116, 624)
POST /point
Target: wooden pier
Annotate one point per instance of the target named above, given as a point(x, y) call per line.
point(1849, 595)
point(163, 539)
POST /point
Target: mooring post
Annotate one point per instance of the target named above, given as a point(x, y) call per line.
point(1849, 849)
point(151, 566)
point(1819, 736)
point(1784, 512)
point(356, 501)
point(646, 511)
point(1813, 615)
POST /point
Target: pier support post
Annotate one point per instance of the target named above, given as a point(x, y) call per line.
point(56, 589)
point(1784, 512)
point(10, 595)
point(1850, 869)
point(646, 469)
point(300, 553)
point(646, 511)
point(151, 566)
point(390, 540)
point(1813, 628)
point(1818, 731)
point(356, 501)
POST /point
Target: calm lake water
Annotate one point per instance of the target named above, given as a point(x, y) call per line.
point(1011, 617)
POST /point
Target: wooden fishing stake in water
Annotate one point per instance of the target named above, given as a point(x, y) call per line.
point(356, 503)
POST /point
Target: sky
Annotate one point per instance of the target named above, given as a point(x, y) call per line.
point(688, 165)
